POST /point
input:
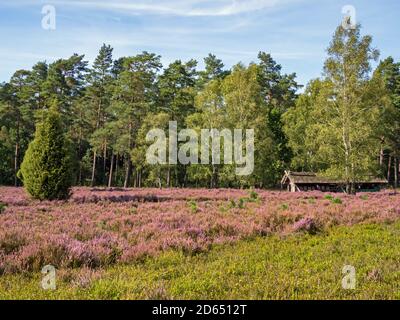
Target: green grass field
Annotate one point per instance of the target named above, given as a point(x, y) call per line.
point(296, 267)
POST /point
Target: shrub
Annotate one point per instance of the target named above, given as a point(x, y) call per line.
point(284, 206)
point(133, 210)
point(253, 196)
point(328, 197)
point(47, 168)
point(232, 203)
point(337, 201)
point(311, 200)
point(242, 203)
point(3, 207)
point(193, 206)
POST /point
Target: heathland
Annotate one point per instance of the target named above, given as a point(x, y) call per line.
point(193, 243)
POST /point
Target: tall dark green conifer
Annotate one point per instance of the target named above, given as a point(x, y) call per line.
point(47, 167)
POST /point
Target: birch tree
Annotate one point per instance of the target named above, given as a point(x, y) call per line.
point(347, 111)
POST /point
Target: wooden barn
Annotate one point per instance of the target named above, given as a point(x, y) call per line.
point(309, 181)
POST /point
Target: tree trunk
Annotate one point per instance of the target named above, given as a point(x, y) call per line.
point(80, 161)
point(185, 179)
point(105, 159)
point(348, 187)
point(128, 173)
point(111, 171)
point(95, 151)
point(16, 160)
point(79, 181)
point(16, 155)
point(353, 189)
point(214, 181)
point(159, 179)
point(347, 164)
point(389, 169)
point(396, 172)
point(116, 169)
point(94, 168)
point(169, 177)
point(129, 165)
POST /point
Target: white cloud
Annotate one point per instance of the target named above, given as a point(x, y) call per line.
point(187, 8)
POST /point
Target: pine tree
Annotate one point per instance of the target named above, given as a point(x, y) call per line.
point(132, 100)
point(278, 92)
point(214, 69)
point(47, 169)
point(15, 112)
point(98, 96)
point(388, 74)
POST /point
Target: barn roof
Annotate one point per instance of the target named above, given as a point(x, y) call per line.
point(313, 178)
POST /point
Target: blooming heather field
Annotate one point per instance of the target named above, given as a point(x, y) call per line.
point(98, 228)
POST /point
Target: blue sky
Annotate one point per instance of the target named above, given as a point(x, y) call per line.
point(295, 32)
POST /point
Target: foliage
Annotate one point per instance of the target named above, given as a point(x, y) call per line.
point(298, 124)
point(387, 76)
point(48, 165)
point(337, 201)
point(193, 206)
point(109, 107)
point(253, 195)
point(3, 207)
point(338, 117)
point(336, 127)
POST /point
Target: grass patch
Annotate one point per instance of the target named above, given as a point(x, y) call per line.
point(337, 201)
point(285, 206)
point(253, 196)
point(311, 200)
point(297, 267)
point(3, 207)
point(193, 206)
point(333, 200)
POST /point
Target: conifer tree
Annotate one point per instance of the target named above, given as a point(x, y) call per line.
point(47, 169)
